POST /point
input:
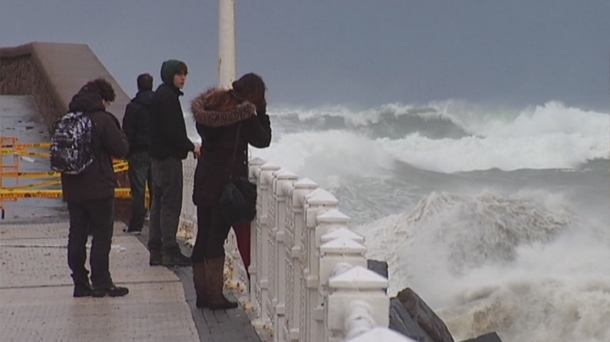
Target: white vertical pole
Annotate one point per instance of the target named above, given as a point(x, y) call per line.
point(226, 43)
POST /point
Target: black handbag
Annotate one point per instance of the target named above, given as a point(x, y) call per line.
point(238, 198)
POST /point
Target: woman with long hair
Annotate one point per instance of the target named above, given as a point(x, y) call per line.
point(228, 120)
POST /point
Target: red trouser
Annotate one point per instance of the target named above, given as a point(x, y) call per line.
point(242, 232)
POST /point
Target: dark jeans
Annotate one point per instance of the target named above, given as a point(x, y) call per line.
point(212, 231)
point(139, 175)
point(166, 204)
point(95, 217)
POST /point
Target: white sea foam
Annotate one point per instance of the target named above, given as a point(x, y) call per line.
point(545, 137)
point(328, 153)
point(525, 265)
point(548, 151)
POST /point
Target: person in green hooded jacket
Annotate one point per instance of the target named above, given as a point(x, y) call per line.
point(169, 146)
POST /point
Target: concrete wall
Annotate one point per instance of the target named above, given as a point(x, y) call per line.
point(21, 76)
point(52, 73)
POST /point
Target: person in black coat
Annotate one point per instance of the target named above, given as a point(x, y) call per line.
point(228, 121)
point(169, 146)
point(136, 125)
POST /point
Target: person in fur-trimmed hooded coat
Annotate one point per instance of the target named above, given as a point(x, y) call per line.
point(218, 113)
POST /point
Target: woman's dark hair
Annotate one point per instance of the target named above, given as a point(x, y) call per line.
point(103, 88)
point(250, 87)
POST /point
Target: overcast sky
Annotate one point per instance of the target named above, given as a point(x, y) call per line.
point(363, 53)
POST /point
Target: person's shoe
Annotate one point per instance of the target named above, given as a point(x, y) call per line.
point(201, 291)
point(156, 258)
point(214, 269)
point(82, 290)
point(132, 232)
point(175, 259)
point(112, 291)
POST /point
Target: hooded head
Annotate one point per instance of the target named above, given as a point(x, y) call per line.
point(170, 68)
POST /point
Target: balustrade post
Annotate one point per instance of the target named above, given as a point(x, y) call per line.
point(318, 201)
point(344, 233)
point(265, 179)
point(358, 287)
point(337, 256)
point(283, 180)
point(330, 221)
point(254, 171)
point(380, 335)
point(298, 319)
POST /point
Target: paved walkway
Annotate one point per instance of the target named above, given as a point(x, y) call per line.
point(36, 302)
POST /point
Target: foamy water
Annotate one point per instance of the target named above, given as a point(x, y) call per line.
point(524, 266)
point(549, 151)
point(546, 137)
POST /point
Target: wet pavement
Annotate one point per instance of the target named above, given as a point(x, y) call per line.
point(36, 302)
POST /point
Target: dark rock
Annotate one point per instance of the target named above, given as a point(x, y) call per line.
point(379, 267)
point(424, 316)
point(491, 337)
point(401, 322)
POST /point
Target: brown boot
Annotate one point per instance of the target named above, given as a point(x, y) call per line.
point(203, 300)
point(215, 282)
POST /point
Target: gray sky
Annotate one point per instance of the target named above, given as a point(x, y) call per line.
point(357, 52)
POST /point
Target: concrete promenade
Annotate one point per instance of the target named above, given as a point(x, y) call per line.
point(36, 302)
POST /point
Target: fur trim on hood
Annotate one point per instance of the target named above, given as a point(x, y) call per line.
point(213, 118)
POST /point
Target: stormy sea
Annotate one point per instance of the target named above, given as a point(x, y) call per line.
point(498, 218)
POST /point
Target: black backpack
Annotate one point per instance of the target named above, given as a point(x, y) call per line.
point(71, 143)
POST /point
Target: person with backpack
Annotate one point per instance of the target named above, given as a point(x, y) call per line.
point(136, 125)
point(169, 146)
point(82, 146)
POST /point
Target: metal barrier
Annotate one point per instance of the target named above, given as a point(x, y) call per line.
point(45, 189)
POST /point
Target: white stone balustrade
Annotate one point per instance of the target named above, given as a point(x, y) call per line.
point(308, 273)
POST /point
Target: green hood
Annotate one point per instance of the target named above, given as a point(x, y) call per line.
point(168, 70)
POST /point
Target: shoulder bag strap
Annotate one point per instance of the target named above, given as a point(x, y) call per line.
point(235, 150)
